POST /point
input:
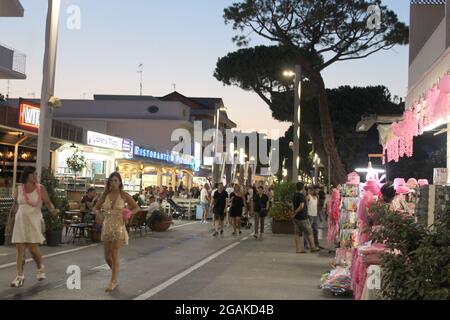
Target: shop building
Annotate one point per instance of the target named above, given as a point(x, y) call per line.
point(18, 140)
point(429, 64)
point(150, 121)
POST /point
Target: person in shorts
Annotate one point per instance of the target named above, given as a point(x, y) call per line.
point(300, 218)
point(205, 199)
point(219, 204)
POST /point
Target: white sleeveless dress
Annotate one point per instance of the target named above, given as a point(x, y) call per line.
point(28, 222)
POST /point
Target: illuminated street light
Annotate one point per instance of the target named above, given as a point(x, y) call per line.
point(289, 73)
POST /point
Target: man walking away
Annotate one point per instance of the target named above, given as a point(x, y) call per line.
point(300, 218)
point(205, 199)
point(261, 202)
point(220, 204)
point(313, 207)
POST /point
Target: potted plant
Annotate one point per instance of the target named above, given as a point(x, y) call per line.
point(76, 162)
point(53, 225)
point(159, 221)
point(282, 208)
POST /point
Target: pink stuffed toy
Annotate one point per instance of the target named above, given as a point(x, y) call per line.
point(334, 206)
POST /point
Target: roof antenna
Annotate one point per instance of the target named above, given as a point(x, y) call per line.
point(8, 89)
point(141, 71)
point(174, 85)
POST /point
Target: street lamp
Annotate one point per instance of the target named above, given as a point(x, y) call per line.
point(297, 117)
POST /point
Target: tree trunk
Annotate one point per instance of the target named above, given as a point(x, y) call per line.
point(338, 174)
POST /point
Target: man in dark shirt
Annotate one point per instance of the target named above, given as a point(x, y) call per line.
point(301, 221)
point(220, 205)
point(87, 203)
point(261, 202)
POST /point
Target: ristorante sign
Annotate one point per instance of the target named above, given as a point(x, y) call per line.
point(29, 114)
point(170, 157)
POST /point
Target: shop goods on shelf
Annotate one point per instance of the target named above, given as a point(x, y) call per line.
point(338, 280)
point(350, 203)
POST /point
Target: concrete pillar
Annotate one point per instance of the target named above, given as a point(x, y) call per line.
point(159, 178)
point(48, 86)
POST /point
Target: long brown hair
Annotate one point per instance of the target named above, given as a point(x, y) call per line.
point(108, 185)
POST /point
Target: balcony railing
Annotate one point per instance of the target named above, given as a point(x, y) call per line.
point(12, 59)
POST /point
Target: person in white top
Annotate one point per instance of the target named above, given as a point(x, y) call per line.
point(153, 206)
point(313, 206)
point(27, 230)
point(205, 199)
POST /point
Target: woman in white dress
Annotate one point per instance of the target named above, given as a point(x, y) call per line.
point(109, 209)
point(27, 232)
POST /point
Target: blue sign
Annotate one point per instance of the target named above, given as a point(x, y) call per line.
point(127, 145)
point(173, 157)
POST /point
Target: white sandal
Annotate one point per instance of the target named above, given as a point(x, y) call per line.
point(18, 282)
point(41, 273)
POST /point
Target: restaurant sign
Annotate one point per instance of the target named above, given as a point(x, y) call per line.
point(109, 142)
point(29, 114)
point(170, 157)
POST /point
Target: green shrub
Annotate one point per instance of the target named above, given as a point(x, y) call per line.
point(282, 201)
point(51, 184)
point(421, 268)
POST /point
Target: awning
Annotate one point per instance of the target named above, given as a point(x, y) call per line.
point(429, 79)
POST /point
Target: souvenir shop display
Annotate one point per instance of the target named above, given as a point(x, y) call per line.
point(334, 207)
point(343, 234)
point(348, 232)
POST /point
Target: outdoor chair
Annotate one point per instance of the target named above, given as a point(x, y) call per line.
point(138, 221)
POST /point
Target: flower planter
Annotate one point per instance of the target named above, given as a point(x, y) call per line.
point(282, 227)
point(161, 226)
point(53, 237)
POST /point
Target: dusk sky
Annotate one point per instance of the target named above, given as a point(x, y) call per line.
point(178, 42)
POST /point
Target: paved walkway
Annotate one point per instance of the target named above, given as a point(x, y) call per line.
point(184, 263)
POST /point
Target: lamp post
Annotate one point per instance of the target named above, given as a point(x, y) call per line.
point(216, 142)
point(48, 85)
point(297, 117)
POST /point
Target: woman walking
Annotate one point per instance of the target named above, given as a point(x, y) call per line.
point(27, 232)
point(114, 205)
point(237, 205)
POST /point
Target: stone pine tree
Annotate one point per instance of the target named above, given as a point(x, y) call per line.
point(337, 30)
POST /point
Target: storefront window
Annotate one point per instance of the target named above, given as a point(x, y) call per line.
point(150, 179)
point(97, 167)
point(167, 179)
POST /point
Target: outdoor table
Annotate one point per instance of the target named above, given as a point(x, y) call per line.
point(78, 231)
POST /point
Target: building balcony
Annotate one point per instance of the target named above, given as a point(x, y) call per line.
point(11, 8)
point(12, 64)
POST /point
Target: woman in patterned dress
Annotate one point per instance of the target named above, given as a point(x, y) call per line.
point(109, 209)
